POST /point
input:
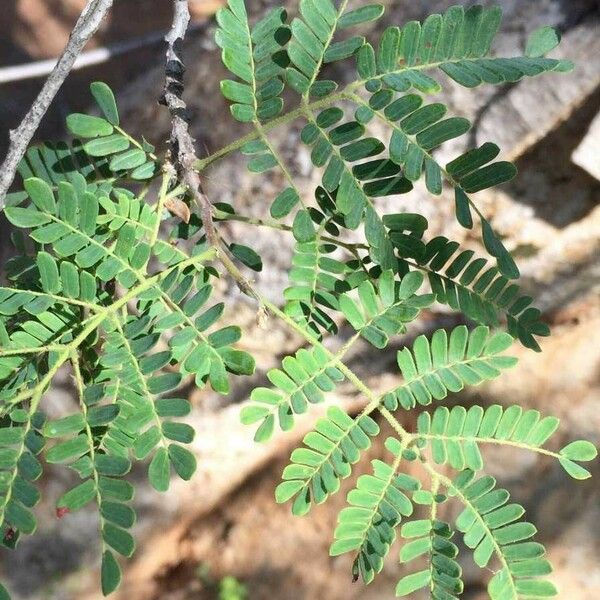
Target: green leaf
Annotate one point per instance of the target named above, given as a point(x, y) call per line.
point(303, 228)
point(158, 471)
point(25, 217)
point(542, 41)
point(106, 146)
point(110, 573)
point(342, 50)
point(146, 442)
point(444, 365)
point(247, 256)
point(463, 209)
point(48, 273)
point(65, 426)
point(106, 101)
point(183, 461)
point(118, 513)
point(490, 176)
point(130, 159)
point(580, 450)
point(20, 517)
point(41, 194)
point(79, 496)
point(574, 470)
point(68, 450)
point(179, 432)
point(86, 126)
point(118, 539)
point(112, 465)
point(284, 203)
point(265, 430)
point(412, 583)
point(361, 15)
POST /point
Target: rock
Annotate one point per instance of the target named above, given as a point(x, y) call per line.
point(587, 154)
point(522, 115)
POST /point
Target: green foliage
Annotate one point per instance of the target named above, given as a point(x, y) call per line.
point(329, 453)
point(443, 577)
point(105, 286)
point(376, 507)
point(492, 526)
point(448, 363)
point(377, 315)
point(468, 284)
point(231, 589)
point(304, 380)
point(455, 436)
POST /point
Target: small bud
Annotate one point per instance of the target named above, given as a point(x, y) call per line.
point(9, 535)
point(61, 511)
point(262, 317)
point(355, 570)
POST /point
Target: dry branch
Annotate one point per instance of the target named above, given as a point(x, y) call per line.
point(183, 152)
point(84, 29)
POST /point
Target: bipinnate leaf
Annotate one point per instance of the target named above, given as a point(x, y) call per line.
point(111, 281)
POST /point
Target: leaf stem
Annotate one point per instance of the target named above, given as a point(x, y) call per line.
point(289, 117)
point(478, 440)
point(449, 484)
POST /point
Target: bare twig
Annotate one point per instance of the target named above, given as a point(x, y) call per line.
point(183, 151)
point(84, 29)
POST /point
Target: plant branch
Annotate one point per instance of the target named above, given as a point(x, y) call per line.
point(183, 151)
point(84, 29)
point(93, 322)
point(277, 225)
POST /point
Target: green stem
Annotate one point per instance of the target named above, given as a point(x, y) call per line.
point(40, 350)
point(405, 437)
point(273, 224)
point(202, 164)
point(56, 297)
point(520, 445)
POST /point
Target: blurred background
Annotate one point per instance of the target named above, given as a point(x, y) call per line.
point(222, 536)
